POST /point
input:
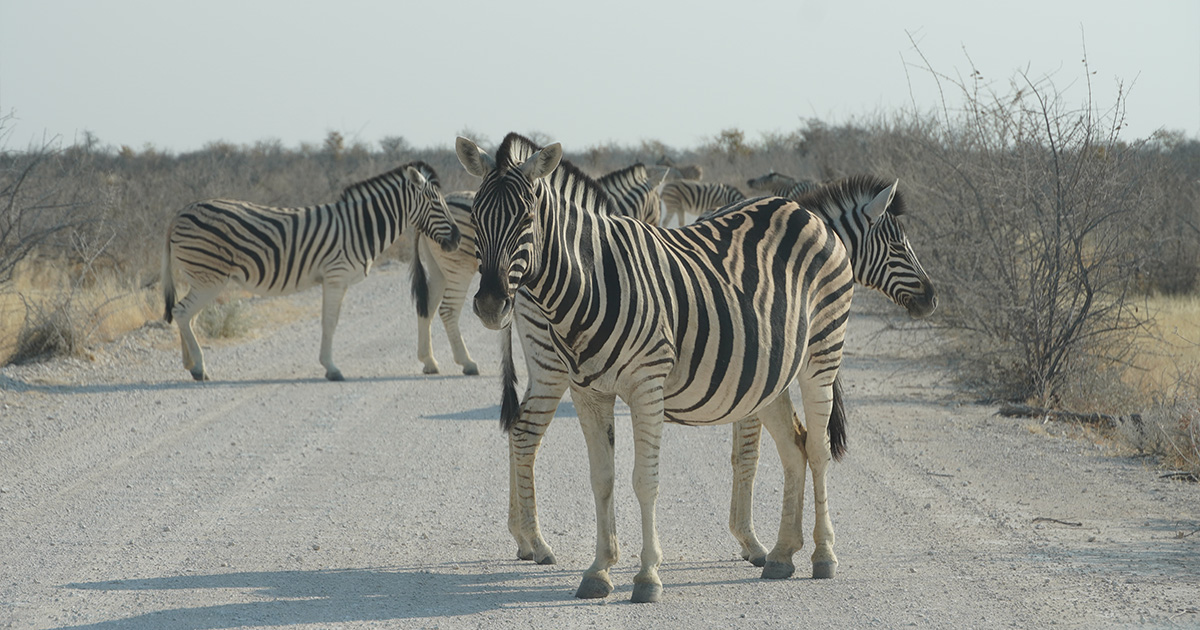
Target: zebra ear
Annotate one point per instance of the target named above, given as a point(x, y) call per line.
point(414, 177)
point(475, 160)
point(543, 162)
point(880, 203)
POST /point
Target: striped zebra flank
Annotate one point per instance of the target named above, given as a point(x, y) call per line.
point(440, 279)
point(278, 251)
point(686, 197)
point(704, 324)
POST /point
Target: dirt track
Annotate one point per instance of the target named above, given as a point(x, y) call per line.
point(131, 497)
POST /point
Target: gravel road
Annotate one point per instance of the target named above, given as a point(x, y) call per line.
point(132, 497)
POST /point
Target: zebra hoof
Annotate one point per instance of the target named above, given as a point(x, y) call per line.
point(471, 369)
point(758, 561)
point(546, 559)
point(430, 369)
point(824, 570)
point(593, 588)
point(199, 374)
point(334, 375)
point(646, 593)
point(777, 570)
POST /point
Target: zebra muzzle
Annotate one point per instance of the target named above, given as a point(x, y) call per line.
point(452, 242)
point(493, 310)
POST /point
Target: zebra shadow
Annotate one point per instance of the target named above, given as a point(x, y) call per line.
point(566, 409)
point(328, 597)
point(325, 598)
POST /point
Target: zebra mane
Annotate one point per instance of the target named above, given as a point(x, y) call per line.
point(365, 186)
point(636, 171)
point(846, 191)
point(516, 149)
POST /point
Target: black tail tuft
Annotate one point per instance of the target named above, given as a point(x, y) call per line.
point(169, 298)
point(837, 422)
point(167, 278)
point(510, 406)
point(420, 286)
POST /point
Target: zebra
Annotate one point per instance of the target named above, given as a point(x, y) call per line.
point(278, 251)
point(634, 192)
point(442, 285)
point(880, 256)
point(695, 197)
point(693, 172)
point(781, 185)
point(440, 279)
point(658, 317)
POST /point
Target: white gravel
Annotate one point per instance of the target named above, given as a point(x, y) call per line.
point(132, 497)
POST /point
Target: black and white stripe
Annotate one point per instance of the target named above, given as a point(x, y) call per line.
point(705, 324)
point(277, 251)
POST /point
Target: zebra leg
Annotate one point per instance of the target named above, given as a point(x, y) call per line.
point(435, 286)
point(545, 391)
point(596, 420)
point(331, 308)
point(185, 313)
point(647, 411)
point(818, 404)
point(746, 434)
point(450, 312)
point(779, 418)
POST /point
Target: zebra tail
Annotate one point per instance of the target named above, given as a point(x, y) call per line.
point(837, 422)
point(167, 278)
point(510, 407)
point(420, 286)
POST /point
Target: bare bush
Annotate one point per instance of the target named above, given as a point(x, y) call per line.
point(33, 210)
point(1037, 204)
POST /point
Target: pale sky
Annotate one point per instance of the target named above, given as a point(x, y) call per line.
point(179, 75)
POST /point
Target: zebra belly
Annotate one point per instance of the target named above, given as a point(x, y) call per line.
point(699, 404)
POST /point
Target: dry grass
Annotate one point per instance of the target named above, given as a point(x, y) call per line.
point(1172, 349)
point(1166, 373)
point(47, 310)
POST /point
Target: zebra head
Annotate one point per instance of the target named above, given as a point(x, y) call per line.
point(882, 257)
point(505, 213)
point(429, 212)
point(771, 182)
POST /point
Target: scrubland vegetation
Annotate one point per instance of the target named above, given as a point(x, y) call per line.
point(1067, 255)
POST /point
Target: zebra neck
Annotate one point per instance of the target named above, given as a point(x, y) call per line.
point(844, 224)
point(570, 277)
